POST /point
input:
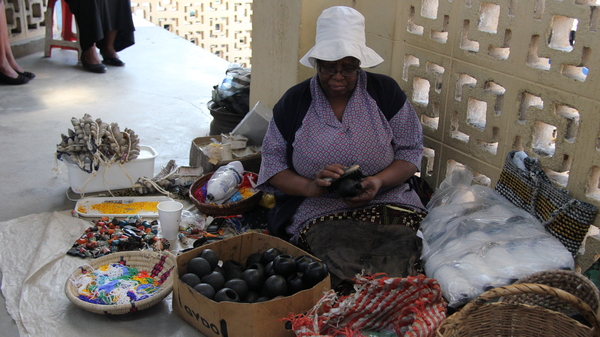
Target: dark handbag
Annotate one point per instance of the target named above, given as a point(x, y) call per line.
point(566, 218)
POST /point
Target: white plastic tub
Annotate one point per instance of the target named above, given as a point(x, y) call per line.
point(114, 177)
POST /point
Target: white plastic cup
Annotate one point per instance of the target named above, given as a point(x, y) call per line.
point(169, 216)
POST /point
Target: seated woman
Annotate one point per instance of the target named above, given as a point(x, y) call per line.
point(106, 24)
point(10, 71)
point(345, 116)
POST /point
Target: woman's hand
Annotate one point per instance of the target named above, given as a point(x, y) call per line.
point(330, 172)
point(394, 175)
point(370, 187)
point(293, 184)
point(318, 187)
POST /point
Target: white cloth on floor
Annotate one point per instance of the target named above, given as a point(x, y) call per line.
point(35, 267)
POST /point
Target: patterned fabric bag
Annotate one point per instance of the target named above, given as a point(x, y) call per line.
point(529, 188)
point(411, 307)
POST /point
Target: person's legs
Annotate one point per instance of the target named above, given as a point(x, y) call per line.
point(11, 59)
point(108, 50)
point(90, 56)
point(108, 46)
point(90, 32)
point(91, 61)
point(107, 24)
point(8, 65)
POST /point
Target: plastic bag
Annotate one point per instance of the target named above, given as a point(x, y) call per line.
point(234, 91)
point(236, 80)
point(192, 220)
point(474, 240)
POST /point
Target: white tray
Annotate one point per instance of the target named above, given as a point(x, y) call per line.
point(83, 207)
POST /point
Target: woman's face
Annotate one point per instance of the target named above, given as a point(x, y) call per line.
point(338, 78)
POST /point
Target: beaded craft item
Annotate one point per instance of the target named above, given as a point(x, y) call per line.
point(114, 283)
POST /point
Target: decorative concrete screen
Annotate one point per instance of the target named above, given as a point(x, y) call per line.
point(487, 77)
point(25, 19)
point(223, 27)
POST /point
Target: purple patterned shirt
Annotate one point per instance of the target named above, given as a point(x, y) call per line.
point(363, 137)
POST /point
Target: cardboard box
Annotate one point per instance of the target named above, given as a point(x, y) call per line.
point(255, 124)
point(236, 142)
point(199, 159)
point(114, 177)
point(242, 319)
point(186, 175)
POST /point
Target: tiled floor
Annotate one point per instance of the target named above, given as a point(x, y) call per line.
point(161, 94)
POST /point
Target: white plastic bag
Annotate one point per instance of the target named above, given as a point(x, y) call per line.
point(236, 79)
point(474, 239)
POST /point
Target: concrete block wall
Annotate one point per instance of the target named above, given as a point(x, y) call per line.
point(223, 27)
point(25, 20)
point(486, 77)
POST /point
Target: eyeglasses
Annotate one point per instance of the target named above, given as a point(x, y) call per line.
point(332, 71)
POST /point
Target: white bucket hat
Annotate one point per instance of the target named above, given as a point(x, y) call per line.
point(341, 33)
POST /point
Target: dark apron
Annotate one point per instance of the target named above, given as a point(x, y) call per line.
point(385, 242)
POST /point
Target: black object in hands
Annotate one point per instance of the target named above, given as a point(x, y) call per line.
point(348, 184)
point(348, 188)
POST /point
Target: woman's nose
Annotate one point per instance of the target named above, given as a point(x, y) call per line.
point(338, 75)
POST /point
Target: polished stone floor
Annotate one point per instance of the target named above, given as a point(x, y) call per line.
point(161, 94)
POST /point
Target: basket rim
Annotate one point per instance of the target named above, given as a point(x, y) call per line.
point(118, 309)
point(571, 280)
point(452, 323)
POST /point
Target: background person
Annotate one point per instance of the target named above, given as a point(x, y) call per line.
point(103, 24)
point(10, 71)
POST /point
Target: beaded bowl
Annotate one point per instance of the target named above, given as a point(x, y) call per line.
point(160, 267)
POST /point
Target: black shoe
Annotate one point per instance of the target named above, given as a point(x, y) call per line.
point(95, 68)
point(13, 81)
point(113, 61)
point(27, 74)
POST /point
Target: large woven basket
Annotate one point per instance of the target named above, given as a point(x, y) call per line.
point(238, 207)
point(572, 282)
point(160, 265)
point(501, 319)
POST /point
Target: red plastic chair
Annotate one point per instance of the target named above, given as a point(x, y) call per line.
point(69, 38)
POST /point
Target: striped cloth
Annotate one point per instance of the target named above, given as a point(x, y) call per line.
point(411, 306)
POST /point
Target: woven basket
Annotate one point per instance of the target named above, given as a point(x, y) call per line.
point(233, 208)
point(159, 265)
point(500, 319)
point(572, 282)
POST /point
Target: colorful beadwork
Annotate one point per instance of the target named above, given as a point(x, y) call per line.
point(115, 283)
point(108, 236)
